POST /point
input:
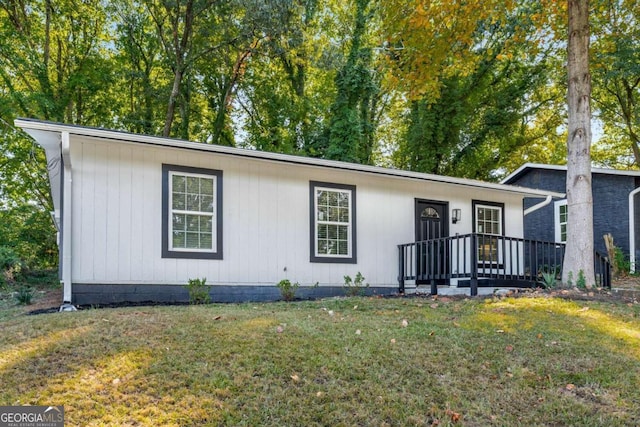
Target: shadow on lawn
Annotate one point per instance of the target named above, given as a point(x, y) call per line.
point(228, 364)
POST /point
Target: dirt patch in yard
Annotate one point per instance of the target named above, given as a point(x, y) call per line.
point(625, 289)
point(627, 282)
point(45, 300)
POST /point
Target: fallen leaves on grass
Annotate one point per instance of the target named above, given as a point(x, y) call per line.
point(455, 417)
point(248, 366)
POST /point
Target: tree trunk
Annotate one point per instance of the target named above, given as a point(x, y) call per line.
point(579, 260)
point(611, 253)
point(180, 38)
point(171, 105)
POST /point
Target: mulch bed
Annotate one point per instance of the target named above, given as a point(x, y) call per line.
point(625, 289)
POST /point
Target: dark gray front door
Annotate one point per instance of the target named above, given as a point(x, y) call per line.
point(432, 222)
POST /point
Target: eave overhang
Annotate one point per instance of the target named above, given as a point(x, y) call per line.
point(45, 133)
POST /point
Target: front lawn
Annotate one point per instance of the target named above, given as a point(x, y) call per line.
point(333, 362)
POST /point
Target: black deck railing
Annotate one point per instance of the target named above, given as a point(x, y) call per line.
point(520, 262)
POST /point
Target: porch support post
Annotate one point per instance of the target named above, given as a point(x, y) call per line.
point(401, 269)
point(473, 283)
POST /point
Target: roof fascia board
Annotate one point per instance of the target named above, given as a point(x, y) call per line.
point(263, 155)
point(529, 166)
point(525, 167)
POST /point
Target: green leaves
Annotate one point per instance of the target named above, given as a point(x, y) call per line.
point(615, 65)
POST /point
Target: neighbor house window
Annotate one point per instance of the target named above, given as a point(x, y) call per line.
point(333, 228)
point(192, 212)
point(561, 216)
point(488, 224)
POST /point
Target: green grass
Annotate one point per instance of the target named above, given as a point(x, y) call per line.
point(337, 362)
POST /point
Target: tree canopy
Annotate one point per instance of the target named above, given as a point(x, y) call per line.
point(467, 88)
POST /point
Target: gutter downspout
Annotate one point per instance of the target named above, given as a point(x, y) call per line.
point(538, 206)
point(632, 231)
point(66, 224)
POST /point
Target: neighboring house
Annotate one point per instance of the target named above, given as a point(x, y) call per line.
point(139, 216)
point(616, 206)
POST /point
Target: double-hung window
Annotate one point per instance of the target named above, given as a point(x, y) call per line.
point(192, 212)
point(333, 227)
point(488, 224)
point(561, 216)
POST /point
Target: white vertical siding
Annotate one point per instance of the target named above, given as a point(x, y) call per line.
point(138, 219)
point(96, 207)
point(115, 195)
point(84, 233)
point(149, 203)
point(125, 219)
point(117, 221)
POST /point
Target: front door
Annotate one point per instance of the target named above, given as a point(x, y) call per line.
point(432, 224)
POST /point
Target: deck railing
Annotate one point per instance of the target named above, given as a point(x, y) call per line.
point(474, 256)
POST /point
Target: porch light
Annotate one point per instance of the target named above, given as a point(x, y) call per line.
point(455, 215)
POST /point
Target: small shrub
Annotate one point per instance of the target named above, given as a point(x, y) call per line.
point(288, 289)
point(570, 279)
point(355, 287)
point(198, 291)
point(581, 283)
point(8, 258)
point(621, 263)
point(10, 265)
point(548, 279)
point(24, 295)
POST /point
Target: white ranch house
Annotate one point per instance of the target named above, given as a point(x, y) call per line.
point(138, 216)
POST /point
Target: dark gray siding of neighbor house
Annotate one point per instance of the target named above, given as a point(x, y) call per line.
point(610, 206)
point(611, 209)
point(539, 225)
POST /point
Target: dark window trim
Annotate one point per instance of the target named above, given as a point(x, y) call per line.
point(474, 203)
point(312, 224)
point(166, 253)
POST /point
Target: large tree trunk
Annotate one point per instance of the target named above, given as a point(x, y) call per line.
point(578, 262)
